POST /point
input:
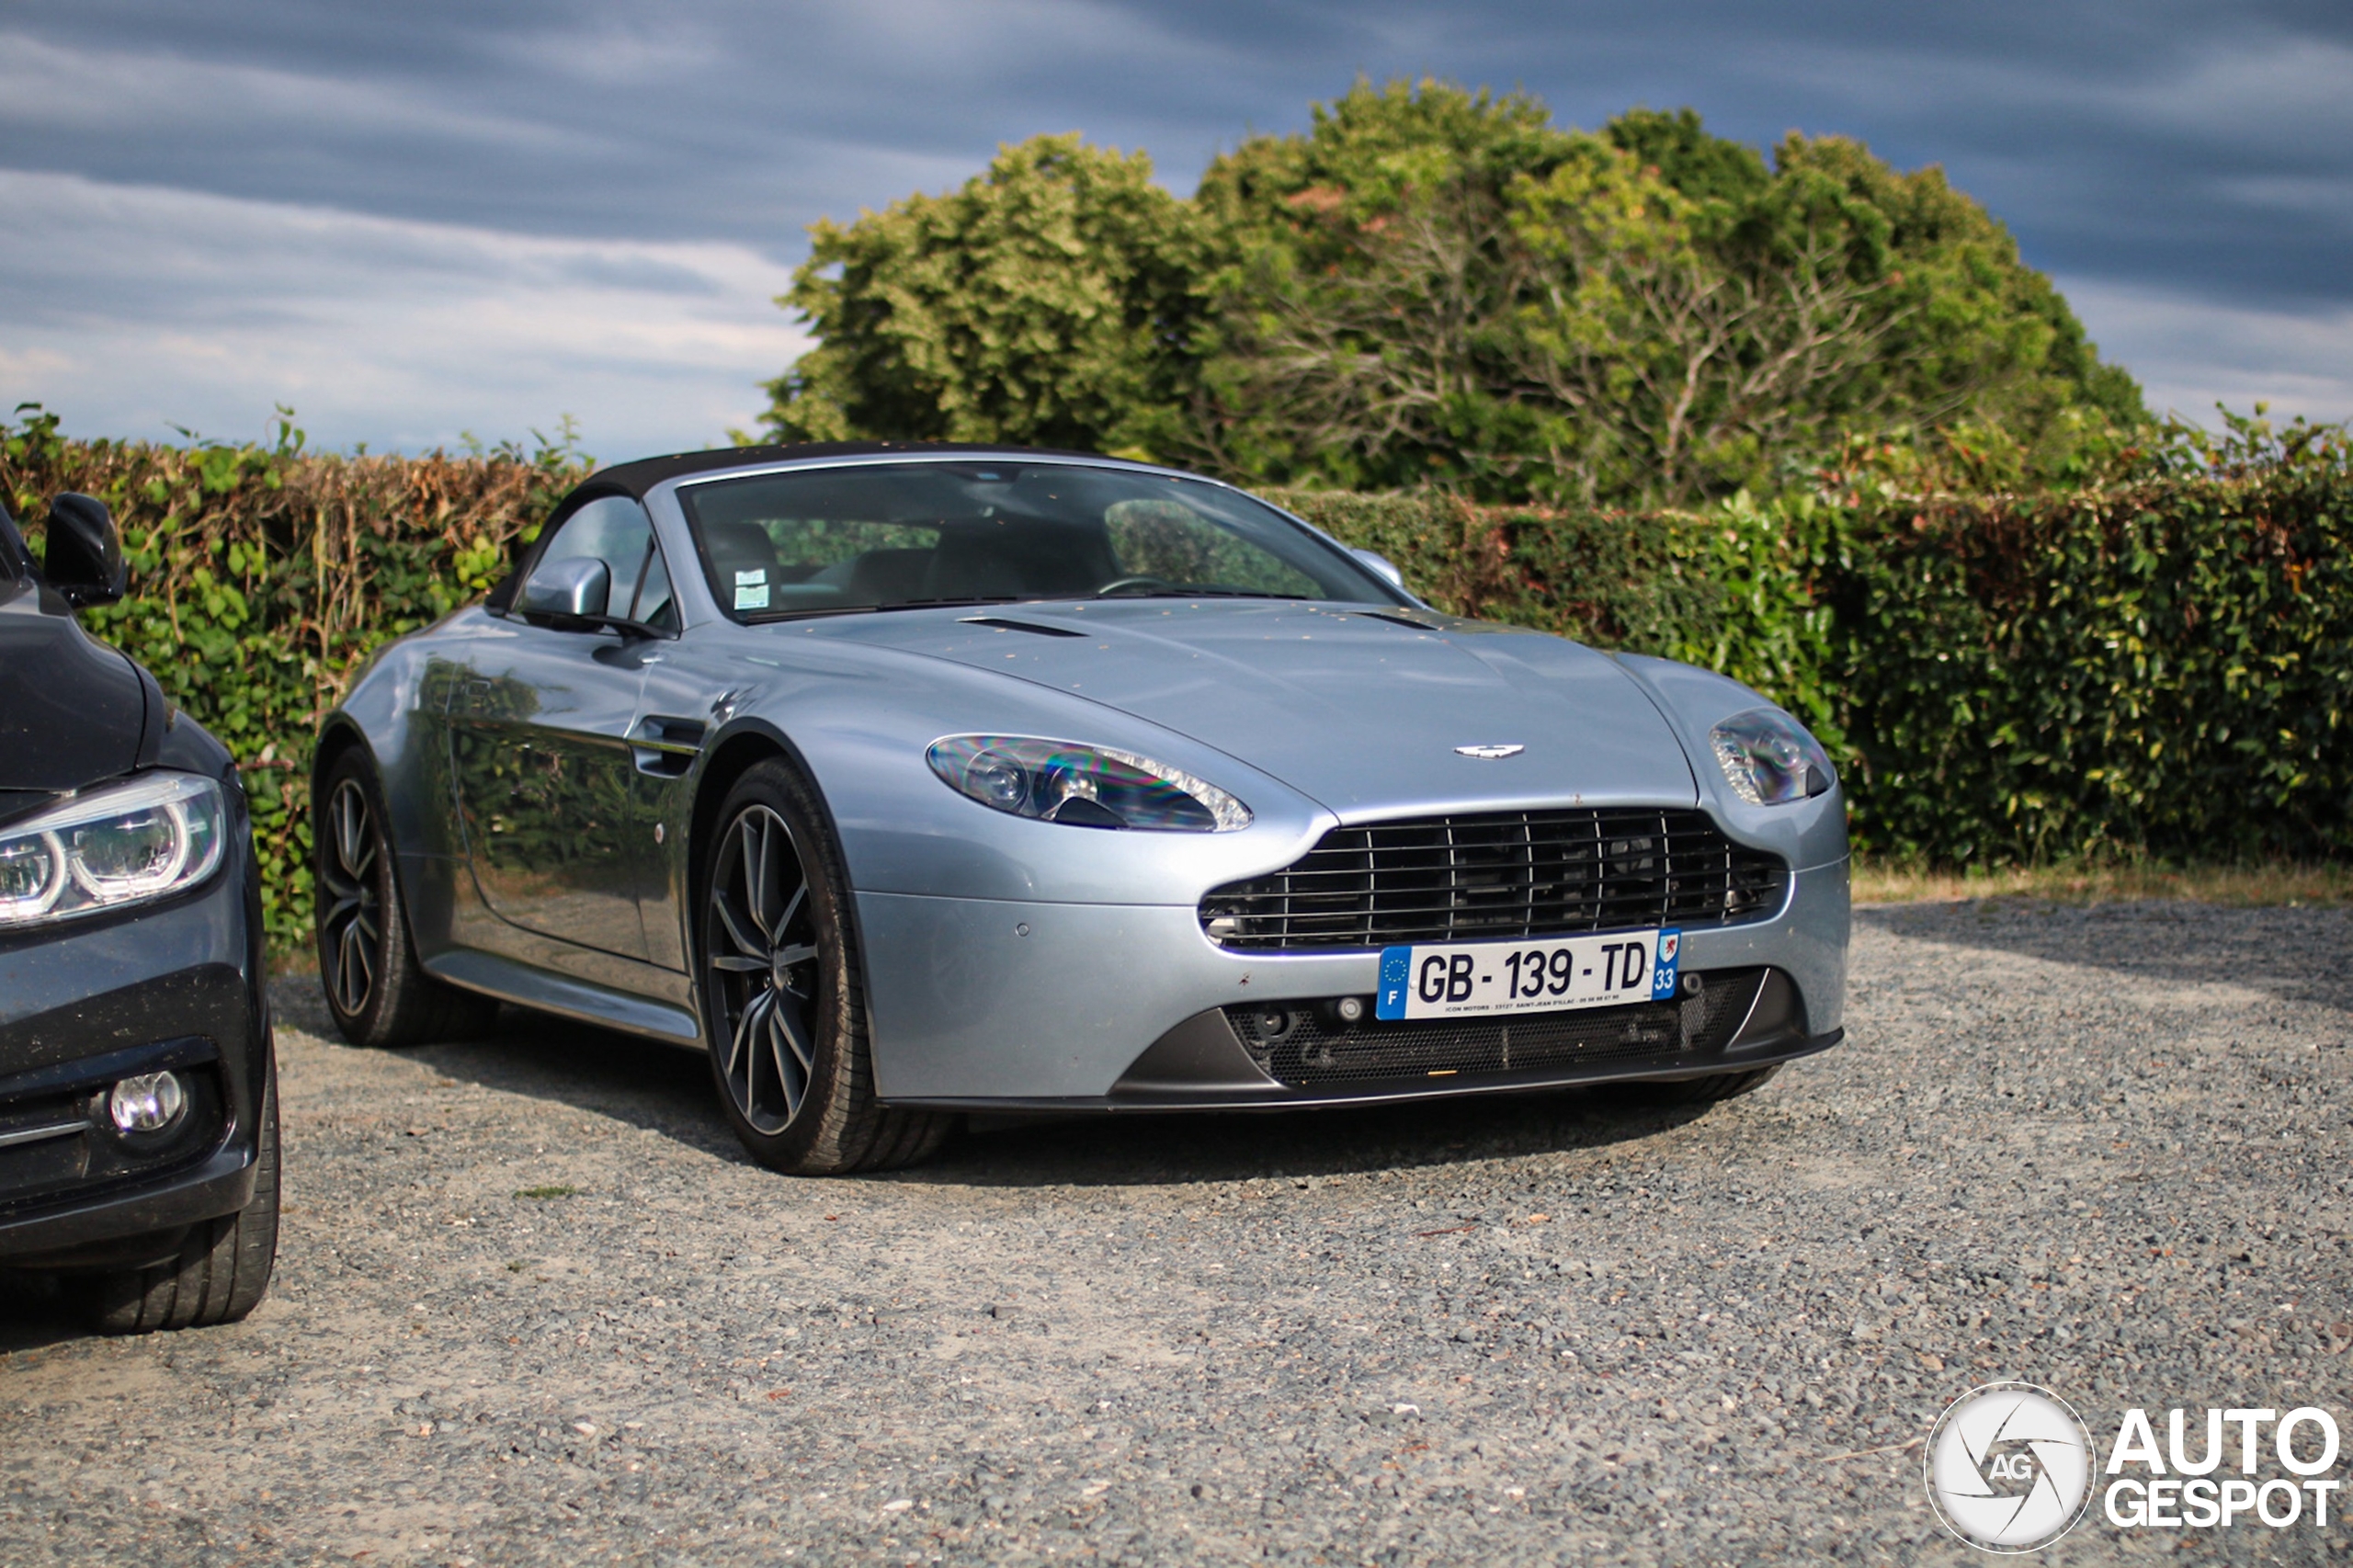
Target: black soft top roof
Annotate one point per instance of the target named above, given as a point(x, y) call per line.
point(637, 478)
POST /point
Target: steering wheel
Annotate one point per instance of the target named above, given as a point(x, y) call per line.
point(1133, 585)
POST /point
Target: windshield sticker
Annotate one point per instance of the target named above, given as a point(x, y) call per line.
point(752, 589)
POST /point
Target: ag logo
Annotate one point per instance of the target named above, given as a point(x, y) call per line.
point(2010, 1467)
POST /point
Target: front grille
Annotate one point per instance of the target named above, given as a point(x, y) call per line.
point(1308, 1047)
point(1500, 876)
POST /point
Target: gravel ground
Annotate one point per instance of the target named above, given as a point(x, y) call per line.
point(2102, 1150)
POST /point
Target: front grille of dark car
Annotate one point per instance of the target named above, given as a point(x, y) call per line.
point(1309, 1046)
point(1500, 876)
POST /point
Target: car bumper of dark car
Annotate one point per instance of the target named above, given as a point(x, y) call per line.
point(82, 1006)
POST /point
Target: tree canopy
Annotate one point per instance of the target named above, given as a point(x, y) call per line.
point(1048, 301)
point(1435, 286)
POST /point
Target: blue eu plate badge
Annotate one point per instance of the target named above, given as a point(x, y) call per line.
point(1396, 972)
point(1663, 975)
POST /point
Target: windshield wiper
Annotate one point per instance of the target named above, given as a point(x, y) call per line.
point(1184, 593)
point(813, 610)
point(951, 603)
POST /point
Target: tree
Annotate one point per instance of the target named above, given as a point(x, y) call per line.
point(1437, 285)
point(1434, 285)
point(1045, 302)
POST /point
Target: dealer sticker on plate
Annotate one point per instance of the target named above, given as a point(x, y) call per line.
point(1464, 978)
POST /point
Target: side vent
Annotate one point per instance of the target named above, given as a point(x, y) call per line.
point(665, 748)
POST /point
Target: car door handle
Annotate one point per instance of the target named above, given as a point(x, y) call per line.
point(666, 747)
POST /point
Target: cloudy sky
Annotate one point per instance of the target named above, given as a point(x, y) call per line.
point(417, 221)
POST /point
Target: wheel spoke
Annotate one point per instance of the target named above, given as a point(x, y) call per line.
point(792, 1070)
point(799, 953)
point(796, 1034)
point(743, 1028)
point(800, 896)
point(350, 971)
point(736, 963)
point(755, 872)
point(743, 941)
point(354, 843)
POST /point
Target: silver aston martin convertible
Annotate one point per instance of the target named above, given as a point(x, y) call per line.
point(914, 780)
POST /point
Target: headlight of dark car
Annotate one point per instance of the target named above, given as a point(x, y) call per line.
point(131, 842)
point(1083, 786)
point(1768, 758)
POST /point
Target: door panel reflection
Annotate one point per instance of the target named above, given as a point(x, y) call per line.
point(539, 751)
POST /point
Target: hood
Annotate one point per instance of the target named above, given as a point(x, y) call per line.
point(1360, 711)
point(73, 711)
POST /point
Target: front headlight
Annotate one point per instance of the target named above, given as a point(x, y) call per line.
point(1769, 759)
point(127, 844)
point(1083, 786)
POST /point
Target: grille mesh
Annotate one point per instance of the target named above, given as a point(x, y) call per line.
point(1500, 876)
point(1307, 1048)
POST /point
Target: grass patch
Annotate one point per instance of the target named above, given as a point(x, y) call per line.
point(2274, 886)
point(547, 1192)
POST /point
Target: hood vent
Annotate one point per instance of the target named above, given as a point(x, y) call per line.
point(1006, 623)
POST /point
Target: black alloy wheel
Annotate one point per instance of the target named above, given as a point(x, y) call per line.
point(351, 914)
point(763, 946)
point(784, 1011)
point(378, 993)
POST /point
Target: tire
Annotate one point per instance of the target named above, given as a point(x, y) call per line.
point(784, 1006)
point(1704, 1091)
point(223, 1268)
point(379, 995)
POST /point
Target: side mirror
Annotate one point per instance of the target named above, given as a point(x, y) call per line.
point(573, 589)
point(1381, 565)
point(84, 558)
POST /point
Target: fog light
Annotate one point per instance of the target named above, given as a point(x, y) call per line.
point(149, 1103)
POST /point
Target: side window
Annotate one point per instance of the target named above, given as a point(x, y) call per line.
point(615, 531)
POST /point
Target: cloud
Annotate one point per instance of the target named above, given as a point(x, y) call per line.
point(131, 309)
point(2190, 352)
point(2177, 151)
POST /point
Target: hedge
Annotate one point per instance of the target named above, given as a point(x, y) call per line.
point(260, 575)
point(2159, 666)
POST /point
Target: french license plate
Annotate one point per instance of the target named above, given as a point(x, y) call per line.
point(1461, 978)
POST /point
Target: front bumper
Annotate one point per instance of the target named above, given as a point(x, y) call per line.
point(178, 986)
point(984, 1004)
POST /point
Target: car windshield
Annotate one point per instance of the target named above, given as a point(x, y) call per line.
point(899, 534)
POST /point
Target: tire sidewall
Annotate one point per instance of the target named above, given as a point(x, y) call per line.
point(838, 1025)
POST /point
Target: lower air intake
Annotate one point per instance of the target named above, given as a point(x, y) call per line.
point(1308, 1048)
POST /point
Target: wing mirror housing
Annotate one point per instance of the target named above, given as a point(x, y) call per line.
point(1382, 567)
point(83, 560)
point(570, 590)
